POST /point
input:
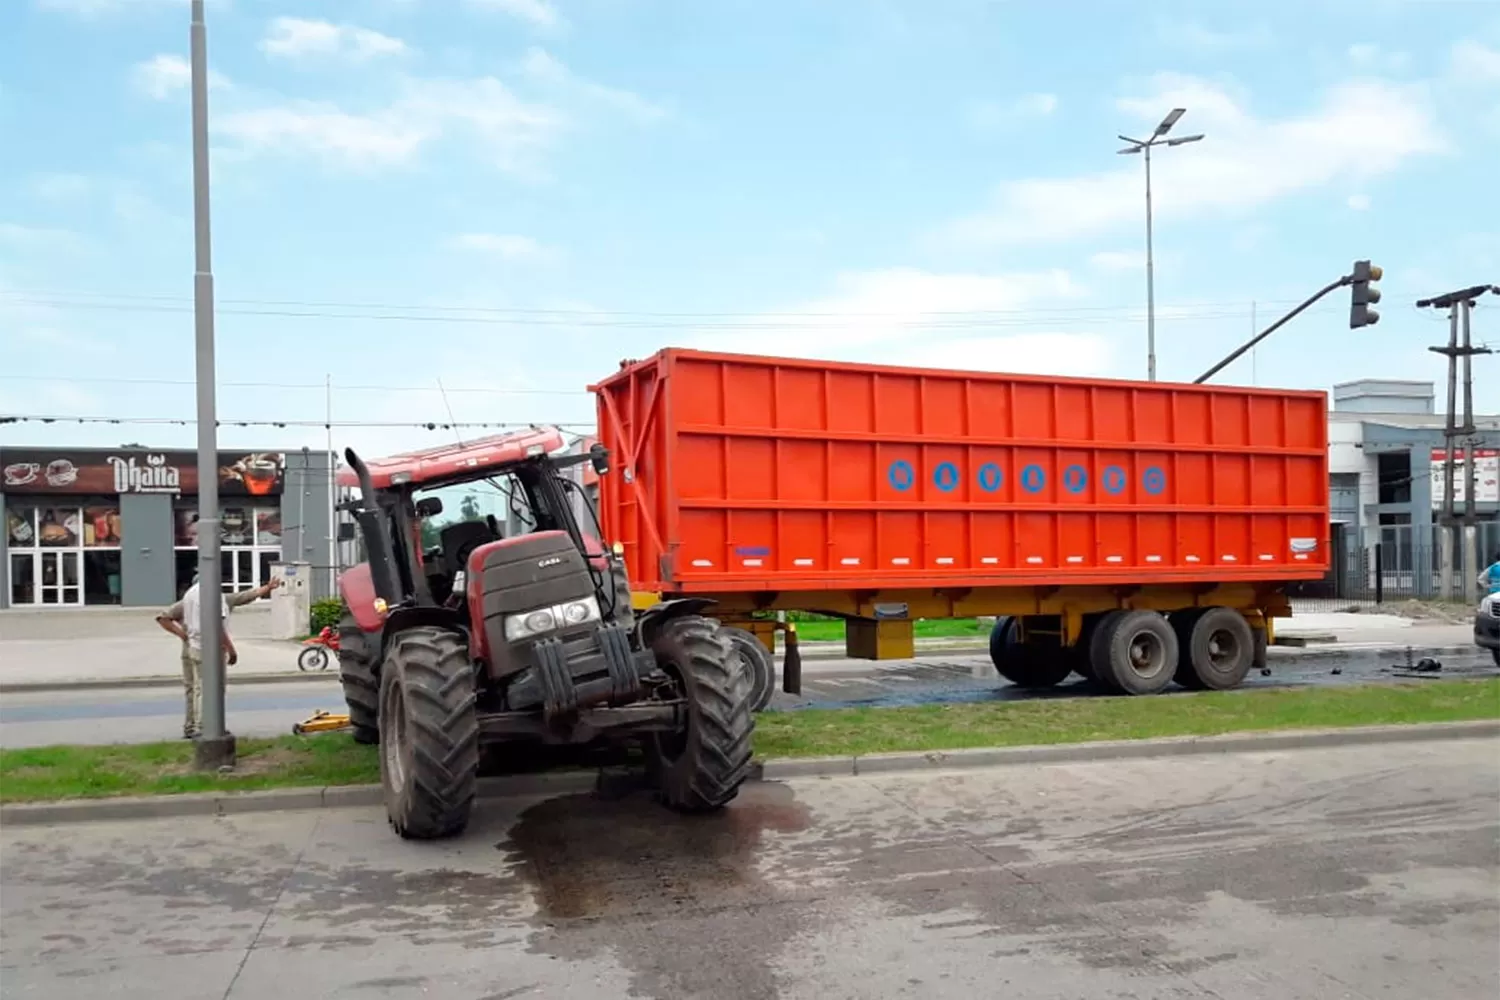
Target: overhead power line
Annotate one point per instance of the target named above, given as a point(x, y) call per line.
point(319, 386)
point(456, 315)
point(432, 425)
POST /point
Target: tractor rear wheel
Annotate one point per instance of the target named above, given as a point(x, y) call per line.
point(357, 674)
point(429, 734)
point(701, 768)
point(1029, 665)
point(758, 664)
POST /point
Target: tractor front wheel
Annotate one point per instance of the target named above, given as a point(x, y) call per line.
point(701, 768)
point(429, 734)
point(357, 674)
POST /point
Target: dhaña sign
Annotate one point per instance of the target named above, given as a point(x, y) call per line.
point(117, 471)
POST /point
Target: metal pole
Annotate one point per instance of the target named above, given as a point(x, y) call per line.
point(1254, 373)
point(215, 746)
point(1150, 281)
point(333, 496)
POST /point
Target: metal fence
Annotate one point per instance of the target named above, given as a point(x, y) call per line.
point(1397, 563)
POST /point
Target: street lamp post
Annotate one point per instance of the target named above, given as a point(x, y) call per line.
point(1158, 138)
point(215, 745)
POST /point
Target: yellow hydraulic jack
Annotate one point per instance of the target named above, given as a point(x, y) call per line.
point(321, 722)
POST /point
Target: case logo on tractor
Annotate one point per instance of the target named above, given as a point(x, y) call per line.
point(549, 561)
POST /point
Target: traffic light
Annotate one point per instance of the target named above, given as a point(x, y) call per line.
point(1363, 294)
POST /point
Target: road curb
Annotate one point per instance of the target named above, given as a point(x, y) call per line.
point(1274, 654)
point(580, 782)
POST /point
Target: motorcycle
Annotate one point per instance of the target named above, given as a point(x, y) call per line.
point(315, 656)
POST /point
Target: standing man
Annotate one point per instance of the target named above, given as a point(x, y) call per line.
point(1490, 578)
point(183, 620)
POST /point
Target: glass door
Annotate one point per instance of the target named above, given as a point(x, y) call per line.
point(59, 576)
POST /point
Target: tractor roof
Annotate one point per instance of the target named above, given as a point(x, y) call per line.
point(458, 462)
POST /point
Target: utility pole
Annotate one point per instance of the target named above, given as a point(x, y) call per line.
point(214, 748)
point(1460, 345)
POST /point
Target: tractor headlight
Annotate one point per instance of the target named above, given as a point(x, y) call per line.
point(544, 620)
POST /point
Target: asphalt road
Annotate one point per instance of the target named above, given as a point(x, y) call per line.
point(146, 714)
point(1312, 874)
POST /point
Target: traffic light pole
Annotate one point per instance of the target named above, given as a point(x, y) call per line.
point(1283, 321)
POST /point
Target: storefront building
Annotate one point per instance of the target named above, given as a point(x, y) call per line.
point(120, 526)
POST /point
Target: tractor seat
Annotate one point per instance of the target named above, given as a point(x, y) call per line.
point(463, 537)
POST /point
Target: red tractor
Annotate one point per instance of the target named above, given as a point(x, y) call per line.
point(527, 638)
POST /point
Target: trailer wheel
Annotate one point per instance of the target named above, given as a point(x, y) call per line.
point(1217, 648)
point(701, 768)
point(429, 734)
point(361, 685)
point(759, 664)
point(1134, 652)
point(1026, 665)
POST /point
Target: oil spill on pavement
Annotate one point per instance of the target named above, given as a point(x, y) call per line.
point(603, 870)
point(970, 680)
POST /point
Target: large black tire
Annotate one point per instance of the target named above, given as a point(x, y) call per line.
point(1216, 648)
point(361, 684)
point(429, 733)
point(701, 769)
point(1134, 652)
point(758, 663)
point(1031, 666)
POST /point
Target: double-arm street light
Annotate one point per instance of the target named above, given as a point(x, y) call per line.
point(1158, 138)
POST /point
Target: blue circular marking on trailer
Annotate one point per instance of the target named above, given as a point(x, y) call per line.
point(945, 477)
point(1154, 480)
point(1033, 479)
point(990, 477)
point(901, 475)
point(1075, 478)
point(1114, 479)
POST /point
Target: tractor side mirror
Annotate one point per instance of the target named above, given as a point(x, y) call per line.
point(599, 457)
point(429, 506)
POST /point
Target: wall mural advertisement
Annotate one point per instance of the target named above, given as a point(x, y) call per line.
point(55, 471)
point(1486, 476)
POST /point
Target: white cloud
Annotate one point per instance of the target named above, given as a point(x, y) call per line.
point(511, 129)
point(904, 315)
point(1119, 260)
point(1366, 56)
point(542, 68)
point(295, 38)
point(37, 239)
point(1358, 130)
point(61, 187)
point(1191, 35)
point(93, 8)
point(323, 130)
point(539, 13)
point(507, 246)
point(1473, 62)
point(987, 116)
point(163, 76)
point(1359, 202)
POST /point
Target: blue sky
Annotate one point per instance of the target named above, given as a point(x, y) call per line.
point(513, 195)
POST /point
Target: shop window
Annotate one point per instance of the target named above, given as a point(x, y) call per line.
point(101, 576)
point(22, 578)
point(59, 527)
point(187, 565)
point(20, 527)
point(249, 542)
point(101, 526)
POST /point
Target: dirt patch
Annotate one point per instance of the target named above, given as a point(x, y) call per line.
point(1449, 613)
point(271, 761)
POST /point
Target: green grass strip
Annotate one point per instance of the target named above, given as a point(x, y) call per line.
point(71, 772)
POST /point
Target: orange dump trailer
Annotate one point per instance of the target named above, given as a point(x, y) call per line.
point(888, 494)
